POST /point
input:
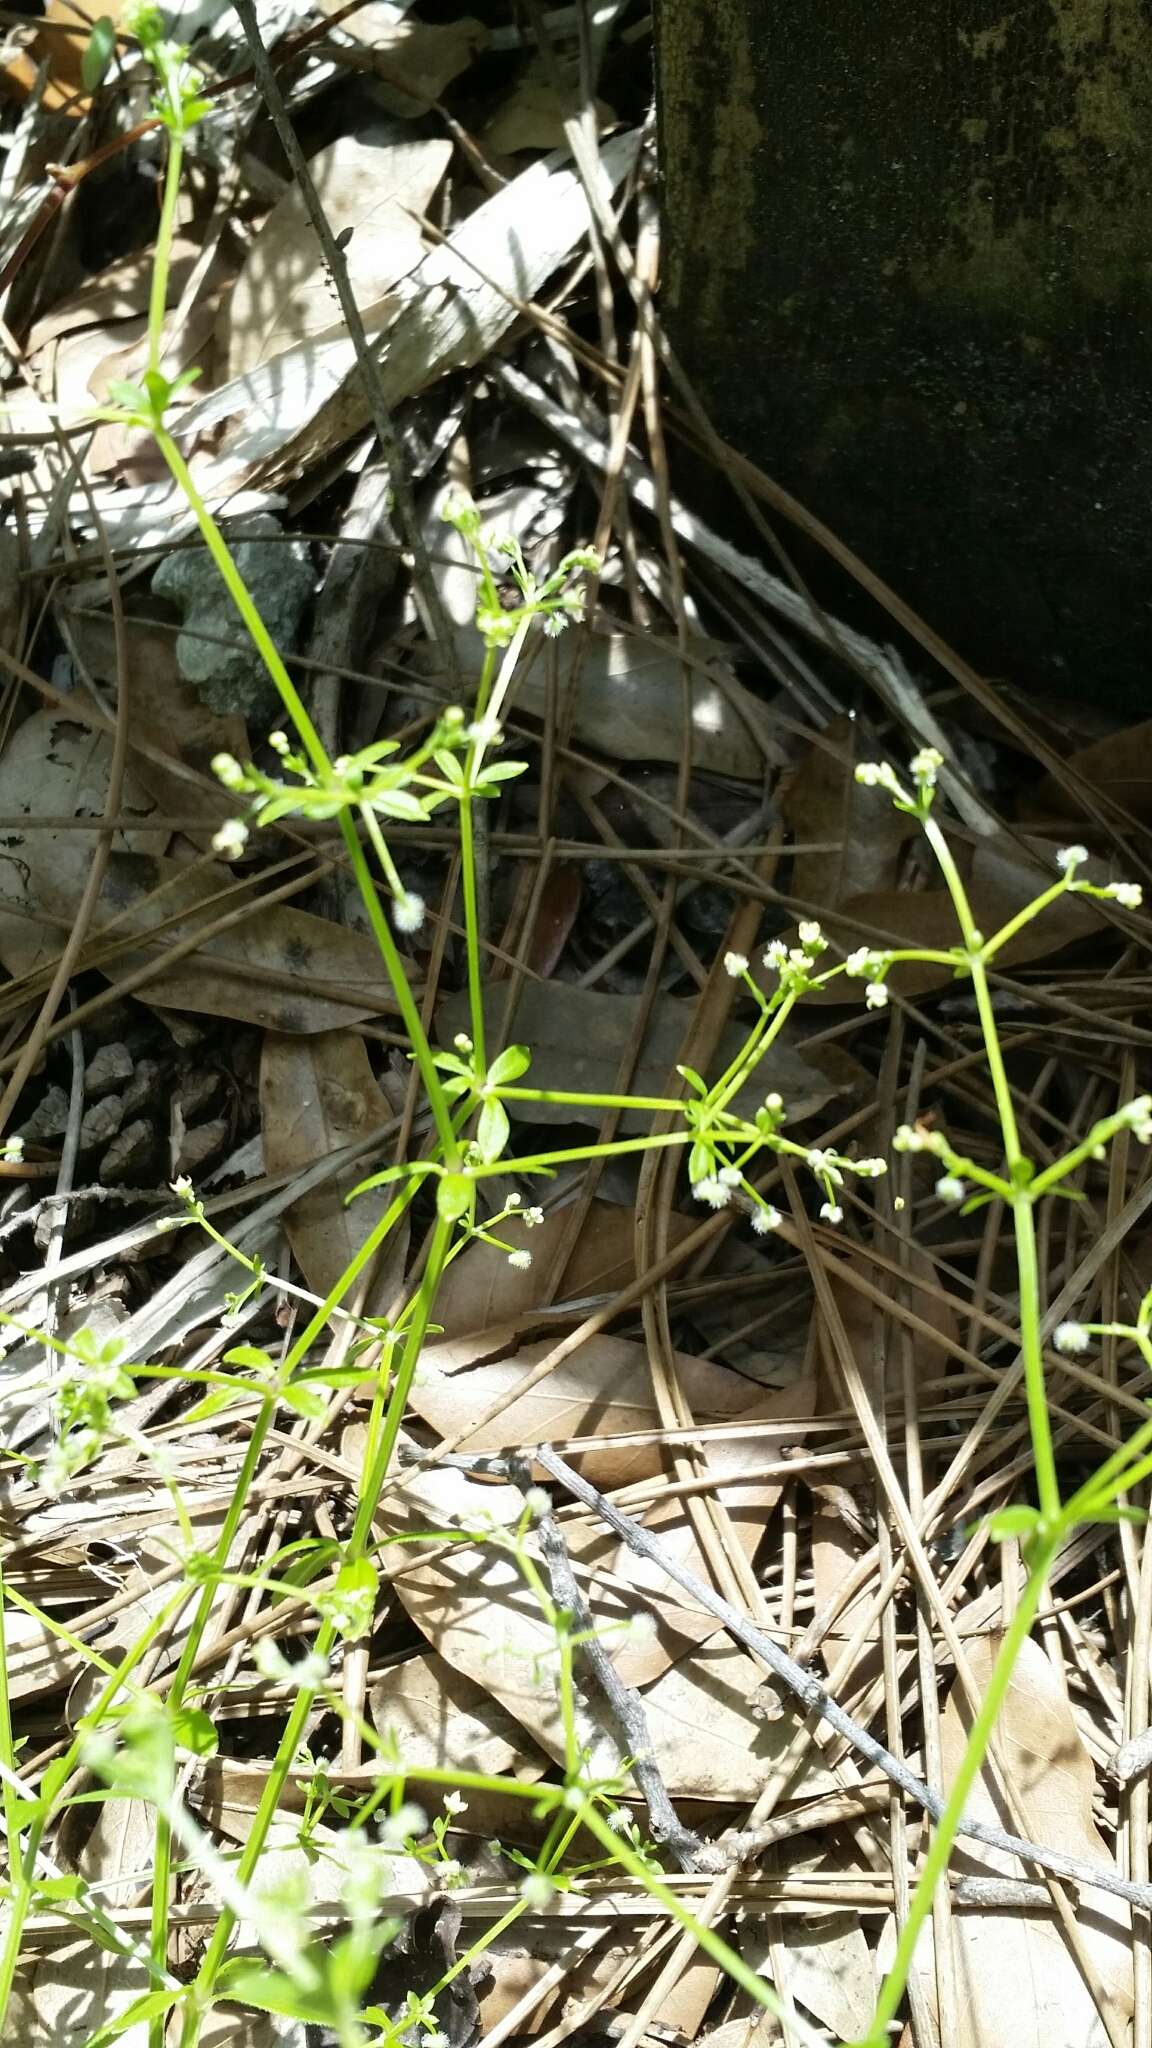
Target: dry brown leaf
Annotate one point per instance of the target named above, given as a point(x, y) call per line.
point(533, 114)
point(824, 801)
point(824, 1965)
point(441, 1720)
point(282, 968)
point(578, 1037)
point(603, 1389)
point(473, 1605)
point(1019, 1987)
point(481, 1290)
point(62, 1997)
point(412, 61)
point(1119, 766)
point(317, 1095)
point(167, 713)
point(371, 186)
point(56, 44)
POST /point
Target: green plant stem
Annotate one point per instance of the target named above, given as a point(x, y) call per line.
point(162, 1868)
point(394, 966)
point(357, 1547)
point(238, 591)
point(1023, 1195)
point(944, 1833)
point(158, 294)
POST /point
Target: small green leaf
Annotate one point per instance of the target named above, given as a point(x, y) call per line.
point(248, 1354)
point(305, 1401)
point(98, 52)
point(492, 1130)
point(454, 1196)
point(509, 1065)
point(1016, 1521)
point(194, 1731)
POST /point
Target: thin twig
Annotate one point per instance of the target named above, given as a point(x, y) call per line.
point(812, 1695)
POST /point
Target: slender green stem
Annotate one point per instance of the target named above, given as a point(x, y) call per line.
point(394, 966)
point(1032, 1349)
point(162, 1869)
point(158, 294)
point(357, 1547)
point(944, 1834)
point(238, 591)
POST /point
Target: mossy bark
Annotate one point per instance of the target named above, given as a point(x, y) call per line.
point(908, 262)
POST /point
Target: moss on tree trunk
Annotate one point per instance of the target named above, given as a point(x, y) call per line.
point(908, 261)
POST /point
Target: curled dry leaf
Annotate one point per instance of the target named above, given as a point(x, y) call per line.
point(459, 300)
point(411, 61)
point(1018, 1984)
point(317, 1095)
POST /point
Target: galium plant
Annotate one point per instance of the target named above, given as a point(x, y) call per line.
point(131, 1740)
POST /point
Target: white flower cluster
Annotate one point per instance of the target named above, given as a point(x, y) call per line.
point(1129, 894)
point(1137, 1117)
point(409, 912)
point(1071, 1339)
point(914, 1138)
point(716, 1189)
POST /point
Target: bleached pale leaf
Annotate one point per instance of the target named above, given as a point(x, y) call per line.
point(371, 187)
point(458, 302)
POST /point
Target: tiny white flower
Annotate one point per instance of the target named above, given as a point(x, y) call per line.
point(537, 1502)
point(731, 1176)
point(926, 765)
point(950, 1188)
point(278, 741)
point(231, 839)
point(1070, 857)
point(643, 1627)
point(809, 933)
point(13, 1150)
point(735, 964)
point(536, 1889)
point(226, 768)
point(455, 1803)
point(774, 1103)
point(859, 962)
point(533, 1218)
point(873, 774)
point(776, 955)
point(485, 732)
point(765, 1219)
point(714, 1192)
point(831, 1212)
point(513, 1201)
point(521, 1259)
point(181, 1187)
point(1130, 894)
point(1071, 1338)
point(402, 1826)
point(434, 2038)
point(408, 912)
point(876, 996)
point(462, 1042)
point(869, 1169)
point(1137, 1117)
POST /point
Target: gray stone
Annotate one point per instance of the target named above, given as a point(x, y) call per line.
point(279, 576)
